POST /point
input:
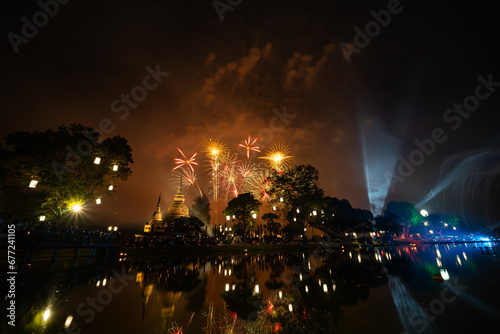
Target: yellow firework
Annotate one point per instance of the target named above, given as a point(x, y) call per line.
point(212, 147)
point(278, 156)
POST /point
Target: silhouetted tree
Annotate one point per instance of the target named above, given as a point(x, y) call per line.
point(242, 208)
point(405, 213)
point(62, 162)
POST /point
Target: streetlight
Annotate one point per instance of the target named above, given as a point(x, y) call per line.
point(98, 201)
point(115, 167)
point(33, 183)
point(424, 213)
point(76, 208)
point(42, 218)
point(97, 160)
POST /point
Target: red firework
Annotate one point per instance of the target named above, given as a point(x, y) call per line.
point(185, 161)
point(249, 146)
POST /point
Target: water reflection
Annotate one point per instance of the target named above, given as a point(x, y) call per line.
point(297, 291)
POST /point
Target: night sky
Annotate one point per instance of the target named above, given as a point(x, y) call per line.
point(354, 118)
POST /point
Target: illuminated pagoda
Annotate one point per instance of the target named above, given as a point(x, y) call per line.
point(177, 208)
point(156, 223)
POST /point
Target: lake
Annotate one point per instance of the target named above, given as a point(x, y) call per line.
point(327, 290)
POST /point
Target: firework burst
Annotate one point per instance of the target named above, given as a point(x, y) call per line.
point(248, 146)
point(185, 161)
point(215, 152)
point(229, 177)
point(213, 148)
point(278, 157)
point(259, 184)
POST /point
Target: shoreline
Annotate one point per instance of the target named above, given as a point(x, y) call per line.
point(67, 253)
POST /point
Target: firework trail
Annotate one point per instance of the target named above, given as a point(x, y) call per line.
point(214, 151)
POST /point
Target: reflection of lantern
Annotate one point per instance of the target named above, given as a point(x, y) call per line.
point(68, 321)
point(444, 274)
point(46, 315)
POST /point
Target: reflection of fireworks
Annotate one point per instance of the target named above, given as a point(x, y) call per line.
point(277, 157)
point(248, 146)
point(185, 161)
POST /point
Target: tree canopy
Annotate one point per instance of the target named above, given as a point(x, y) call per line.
point(298, 194)
point(64, 164)
point(404, 213)
point(241, 208)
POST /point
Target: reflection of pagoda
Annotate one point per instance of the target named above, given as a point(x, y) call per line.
point(167, 301)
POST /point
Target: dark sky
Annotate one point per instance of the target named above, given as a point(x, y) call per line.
point(353, 119)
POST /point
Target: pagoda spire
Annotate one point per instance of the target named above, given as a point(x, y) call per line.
point(158, 205)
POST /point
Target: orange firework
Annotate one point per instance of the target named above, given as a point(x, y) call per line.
point(185, 161)
point(212, 147)
point(215, 152)
point(278, 156)
point(249, 146)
